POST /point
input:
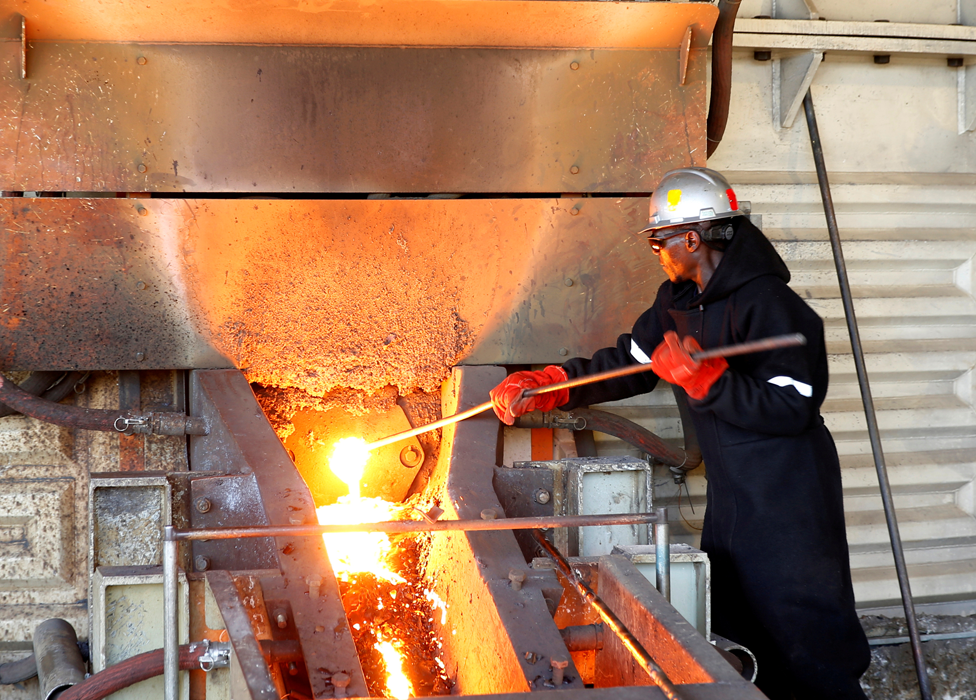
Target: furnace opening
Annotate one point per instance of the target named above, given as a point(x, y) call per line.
point(394, 615)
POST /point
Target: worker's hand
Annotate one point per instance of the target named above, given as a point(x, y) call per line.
point(507, 399)
point(672, 362)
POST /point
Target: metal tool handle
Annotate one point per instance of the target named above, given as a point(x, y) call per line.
point(774, 343)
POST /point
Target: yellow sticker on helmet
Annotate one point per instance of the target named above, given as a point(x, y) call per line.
point(674, 196)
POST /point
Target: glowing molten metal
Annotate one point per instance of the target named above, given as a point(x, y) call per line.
point(357, 553)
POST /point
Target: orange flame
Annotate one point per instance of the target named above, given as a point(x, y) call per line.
point(397, 682)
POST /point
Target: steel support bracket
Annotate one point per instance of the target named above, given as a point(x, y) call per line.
point(792, 77)
point(967, 98)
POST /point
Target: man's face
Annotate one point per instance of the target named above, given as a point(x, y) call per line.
point(675, 246)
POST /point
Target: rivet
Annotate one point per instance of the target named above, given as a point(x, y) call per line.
point(517, 577)
point(574, 170)
point(140, 356)
point(558, 666)
point(542, 496)
point(563, 351)
point(142, 60)
point(574, 65)
point(142, 167)
point(201, 563)
point(202, 505)
point(574, 211)
point(142, 211)
point(568, 281)
point(341, 681)
point(140, 285)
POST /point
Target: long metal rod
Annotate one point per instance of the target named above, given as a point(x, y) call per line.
point(662, 553)
point(774, 343)
point(171, 637)
point(869, 413)
point(409, 526)
point(630, 642)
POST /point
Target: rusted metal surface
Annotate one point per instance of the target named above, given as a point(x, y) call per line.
point(472, 569)
point(676, 645)
point(277, 119)
point(526, 23)
point(242, 442)
point(318, 294)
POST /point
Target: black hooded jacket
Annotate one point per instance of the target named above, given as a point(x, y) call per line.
point(774, 525)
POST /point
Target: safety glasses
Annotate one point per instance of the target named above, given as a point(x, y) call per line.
point(657, 242)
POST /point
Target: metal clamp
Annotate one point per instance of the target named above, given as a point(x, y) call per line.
point(217, 655)
point(569, 421)
point(131, 423)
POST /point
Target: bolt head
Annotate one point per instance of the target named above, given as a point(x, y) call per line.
point(410, 456)
point(559, 663)
point(569, 282)
point(201, 563)
point(140, 356)
point(341, 680)
point(574, 170)
point(574, 211)
point(142, 60)
point(564, 351)
point(574, 65)
point(141, 168)
point(140, 286)
point(516, 575)
point(488, 514)
point(542, 496)
point(202, 505)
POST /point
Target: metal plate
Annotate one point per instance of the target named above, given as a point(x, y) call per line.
point(387, 474)
point(346, 119)
point(318, 293)
point(526, 23)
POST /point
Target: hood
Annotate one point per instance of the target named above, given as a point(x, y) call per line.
point(748, 256)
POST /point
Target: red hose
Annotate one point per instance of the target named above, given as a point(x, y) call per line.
point(51, 412)
point(131, 671)
point(150, 664)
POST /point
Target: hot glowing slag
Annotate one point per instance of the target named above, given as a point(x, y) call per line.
point(365, 552)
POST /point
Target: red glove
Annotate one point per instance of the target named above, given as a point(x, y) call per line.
point(505, 397)
point(672, 362)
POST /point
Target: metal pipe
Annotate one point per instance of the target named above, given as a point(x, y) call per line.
point(874, 435)
point(721, 94)
point(662, 553)
point(171, 619)
point(630, 642)
point(774, 343)
point(59, 662)
point(410, 526)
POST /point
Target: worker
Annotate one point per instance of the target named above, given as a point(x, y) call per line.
point(774, 523)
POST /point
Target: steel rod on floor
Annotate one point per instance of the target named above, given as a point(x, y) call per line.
point(630, 642)
point(871, 417)
point(171, 618)
point(412, 526)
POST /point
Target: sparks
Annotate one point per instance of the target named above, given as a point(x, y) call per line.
point(348, 462)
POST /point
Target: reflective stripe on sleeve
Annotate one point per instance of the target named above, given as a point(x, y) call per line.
point(804, 389)
point(638, 354)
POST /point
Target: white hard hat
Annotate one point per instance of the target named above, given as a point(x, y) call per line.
point(690, 195)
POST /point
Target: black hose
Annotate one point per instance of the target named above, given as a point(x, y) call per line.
point(871, 418)
point(721, 94)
